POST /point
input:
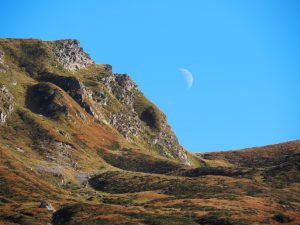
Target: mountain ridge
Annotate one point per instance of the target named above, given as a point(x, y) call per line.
point(94, 90)
point(80, 144)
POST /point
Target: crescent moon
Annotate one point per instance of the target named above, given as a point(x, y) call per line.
point(188, 77)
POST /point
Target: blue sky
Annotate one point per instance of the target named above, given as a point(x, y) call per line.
point(244, 56)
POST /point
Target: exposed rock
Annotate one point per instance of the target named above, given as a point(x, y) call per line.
point(1, 57)
point(82, 177)
point(6, 103)
point(2, 68)
point(62, 154)
point(81, 116)
point(99, 97)
point(126, 121)
point(56, 170)
point(20, 150)
point(121, 86)
point(2, 117)
point(168, 140)
point(117, 101)
point(74, 88)
point(71, 55)
point(58, 152)
point(127, 124)
point(47, 205)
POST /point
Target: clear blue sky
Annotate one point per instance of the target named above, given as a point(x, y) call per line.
point(244, 55)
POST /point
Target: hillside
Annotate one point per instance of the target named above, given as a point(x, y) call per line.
point(81, 144)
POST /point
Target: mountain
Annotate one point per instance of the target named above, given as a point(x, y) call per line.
point(82, 145)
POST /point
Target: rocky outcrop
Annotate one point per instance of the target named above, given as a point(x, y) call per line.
point(69, 53)
point(169, 142)
point(127, 124)
point(121, 86)
point(47, 205)
point(6, 103)
point(57, 152)
point(130, 124)
point(2, 68)
point(126, 121)
point(1, 57)
point(73, 87)
point(112, 99)
point(98, 96)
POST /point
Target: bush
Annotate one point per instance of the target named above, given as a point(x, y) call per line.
point(281, 218)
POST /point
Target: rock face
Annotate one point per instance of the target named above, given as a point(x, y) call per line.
point(1, 57)
point(111, 99)
point(130, 124)
point(73, 87)
point(47, 205)
point(99, 97)
point(127, 124)
point(2, 68)
point(126, 121)
point(6, 104)
point(121, 86)
point(71, 55)
point(169, 142)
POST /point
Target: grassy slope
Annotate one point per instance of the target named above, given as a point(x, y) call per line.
point(128, 185)
point(257, 157)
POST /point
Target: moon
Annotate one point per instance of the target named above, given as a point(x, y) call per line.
point(188, 77)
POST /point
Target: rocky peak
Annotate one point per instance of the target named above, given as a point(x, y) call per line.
point(71, 55)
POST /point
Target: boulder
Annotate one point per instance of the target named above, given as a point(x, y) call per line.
point(47, 205)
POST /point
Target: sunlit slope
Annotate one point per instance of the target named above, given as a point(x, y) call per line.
point(88, 142)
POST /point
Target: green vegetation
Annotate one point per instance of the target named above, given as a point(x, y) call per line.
point(115, 145)
point(53, 148)
point(147, 111)
point(281, 218)
point(134, 160)
point(46, 100)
